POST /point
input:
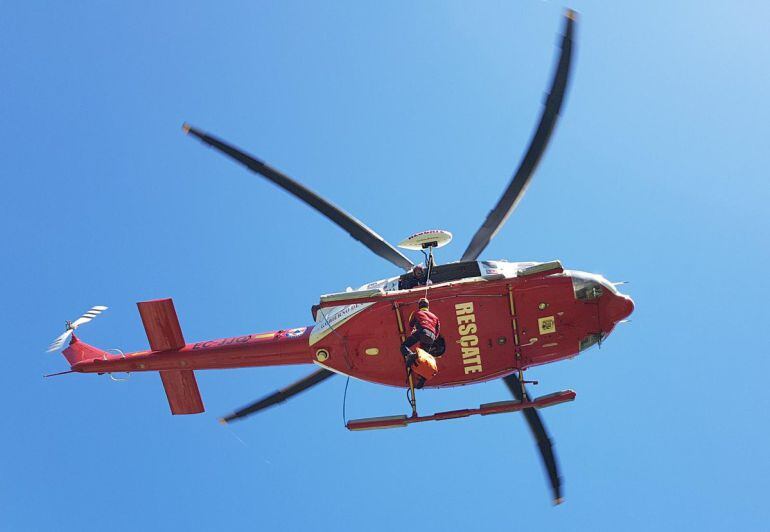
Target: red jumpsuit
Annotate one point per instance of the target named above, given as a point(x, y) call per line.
point(426, 327)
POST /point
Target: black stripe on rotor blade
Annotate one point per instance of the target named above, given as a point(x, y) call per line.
point(518, 185)
point(541, 436)
point(281, 395)
point(349, 223)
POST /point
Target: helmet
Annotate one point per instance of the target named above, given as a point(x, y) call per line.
point(423, 303)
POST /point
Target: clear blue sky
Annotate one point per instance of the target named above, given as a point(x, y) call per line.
point(657, 174)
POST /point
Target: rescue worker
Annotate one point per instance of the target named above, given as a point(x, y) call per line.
point(426, 327)
point(414, 278)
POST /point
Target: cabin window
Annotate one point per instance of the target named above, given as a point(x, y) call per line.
point(454, 271)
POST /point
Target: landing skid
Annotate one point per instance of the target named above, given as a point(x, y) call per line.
point(392, 422)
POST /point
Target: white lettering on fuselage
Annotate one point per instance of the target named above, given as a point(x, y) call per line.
point(469, 341)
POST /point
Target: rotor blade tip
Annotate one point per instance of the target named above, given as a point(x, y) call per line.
point(558, 501)
point(571, 14)
point(222, 421)
point(186, 128)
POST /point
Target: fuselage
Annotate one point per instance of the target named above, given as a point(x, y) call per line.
point(496, 317)
point(508, 317)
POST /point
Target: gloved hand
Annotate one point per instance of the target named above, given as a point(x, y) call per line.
point(410, 359)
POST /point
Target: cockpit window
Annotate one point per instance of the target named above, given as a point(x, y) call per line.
point(589, 286)
point(590, 340)
point(586, 289)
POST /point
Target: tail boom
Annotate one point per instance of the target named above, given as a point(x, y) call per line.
point(276, 348)
point(176, 361)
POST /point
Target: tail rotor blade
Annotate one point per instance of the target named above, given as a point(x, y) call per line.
point(59, 342)
point(541, 436)
point(88, 316)
point(85, 318)
point(280, 396)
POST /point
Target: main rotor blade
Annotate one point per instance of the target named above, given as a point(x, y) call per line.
point(541, 435)
point(352, 225)
point(281, 395)
point(518, 185)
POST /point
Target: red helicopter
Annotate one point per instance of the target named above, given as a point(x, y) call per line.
point(498, 318)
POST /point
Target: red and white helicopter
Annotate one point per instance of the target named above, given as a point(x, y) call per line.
point(498, 318)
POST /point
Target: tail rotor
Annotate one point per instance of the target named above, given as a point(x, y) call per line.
point(72, 325)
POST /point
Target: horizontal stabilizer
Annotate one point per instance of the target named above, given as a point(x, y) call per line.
point(182, 391)
point(161, 325)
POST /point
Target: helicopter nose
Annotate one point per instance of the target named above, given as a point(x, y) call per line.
point(617, 308)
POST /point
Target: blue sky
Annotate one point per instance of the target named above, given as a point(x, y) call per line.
point(411, 116)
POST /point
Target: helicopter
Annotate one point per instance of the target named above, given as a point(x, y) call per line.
point(499, 318)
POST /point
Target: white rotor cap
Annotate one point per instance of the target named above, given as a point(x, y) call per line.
point(424, 239)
